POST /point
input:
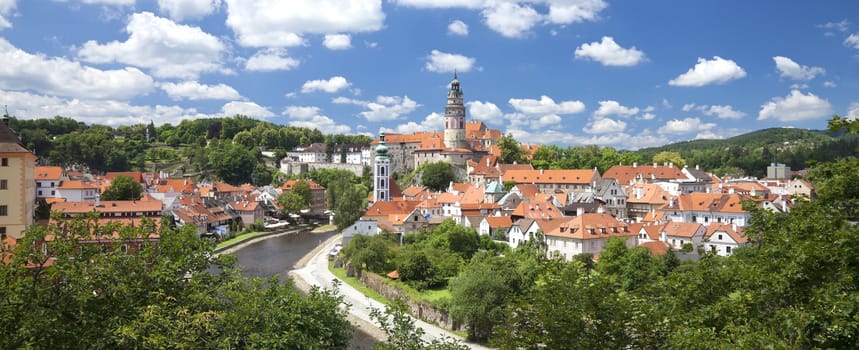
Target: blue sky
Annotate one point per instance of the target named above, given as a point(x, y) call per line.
point(626, 74)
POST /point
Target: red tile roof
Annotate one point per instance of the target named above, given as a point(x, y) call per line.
point(591, 226)
point(624, 174)
point(47, 173)
point(108, 207)
point(735, 233)
point(572, 176)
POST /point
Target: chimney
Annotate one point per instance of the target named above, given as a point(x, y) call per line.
point(580, 211)
point(670, 164)
point(663, 236)
point(671, 202)
point(600, 210)
point(654, 164)
point(697, 167)
point(634, 165)
point(541, 171)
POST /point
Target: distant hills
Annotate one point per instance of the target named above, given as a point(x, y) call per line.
point(772, 137)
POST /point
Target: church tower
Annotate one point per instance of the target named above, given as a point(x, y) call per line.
point(454, 117)
point(381, 172)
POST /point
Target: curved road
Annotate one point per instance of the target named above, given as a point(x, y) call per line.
point(316, 272)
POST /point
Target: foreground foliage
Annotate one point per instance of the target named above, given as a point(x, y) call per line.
point(60, 294)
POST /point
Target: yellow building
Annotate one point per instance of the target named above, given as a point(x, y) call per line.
point(17, 184)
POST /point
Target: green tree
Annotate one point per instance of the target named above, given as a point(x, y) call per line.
point(233, 163)
point(511, 151)
point(437, 176)
point(350, 206)
point(302, 189)
point(669, 157)
point(479, 293)
point(291, 203)
point(403, 334)
point(122, 188)
point(173, 293)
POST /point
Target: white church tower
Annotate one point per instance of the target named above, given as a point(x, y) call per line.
point(454, 117)
point(382, 172)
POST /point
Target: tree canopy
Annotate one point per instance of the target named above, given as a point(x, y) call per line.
point(437, 176)
point(129, 292)
point(122, 188)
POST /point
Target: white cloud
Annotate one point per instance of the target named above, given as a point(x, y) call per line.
point(180, 10)
point(546, 105)
point(21, 71)
point(110, 2)
point(839, 26)
point(485, 111)
point(797, 86)
point(511, 19)
point(6, 7)
point(443, 62)
point(795, 107)
point(159, 44)
point(437, 4)
point(605, 126)
point(107, 112)
point(271, 60)
point(610, 107)
point(829, 84)
point(192, 90)
point(566, 11)
point(722, 112)
point(666, 104)
point(383, 108)
point(249, 109)
point(337, 41)
point(853, 111)
point(706, 72)
point(276, 23)
point(852, 41)
point(331, 85)
point(432, 122)
point(457, 27)
point(609, 53)
point(620, 140)
point(647, 116)
point(311, 118)
point(685, 126)
point(790, 69)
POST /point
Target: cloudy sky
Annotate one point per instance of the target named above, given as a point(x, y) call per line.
point(627, 74)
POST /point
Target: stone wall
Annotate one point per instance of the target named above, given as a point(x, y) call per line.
point(421, 310)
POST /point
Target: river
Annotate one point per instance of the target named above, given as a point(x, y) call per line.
point(278, 255)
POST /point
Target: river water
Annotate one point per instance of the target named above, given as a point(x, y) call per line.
point(278, 255)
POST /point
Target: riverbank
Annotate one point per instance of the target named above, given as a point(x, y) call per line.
point(366, 334)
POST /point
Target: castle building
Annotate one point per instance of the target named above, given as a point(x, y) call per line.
point(460, 141)
point(454, 117)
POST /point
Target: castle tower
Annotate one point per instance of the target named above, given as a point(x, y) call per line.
point(382, 172)
point(454, 117)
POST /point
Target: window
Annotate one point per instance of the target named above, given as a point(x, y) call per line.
point(4, 184)
point(728, 250)
point(5, 162)
point(4, 210)
point(2, 232)
point(40, 192)
point(720, 237)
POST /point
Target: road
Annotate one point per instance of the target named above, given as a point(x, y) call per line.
point(315, 272)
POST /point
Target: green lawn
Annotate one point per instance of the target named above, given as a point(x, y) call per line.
point(240, 238)
point(325, 228)
point(355, 283)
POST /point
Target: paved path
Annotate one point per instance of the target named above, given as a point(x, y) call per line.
point(315, 272)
